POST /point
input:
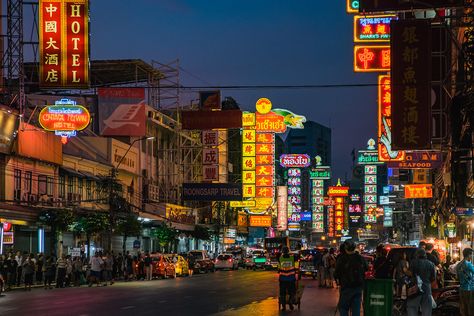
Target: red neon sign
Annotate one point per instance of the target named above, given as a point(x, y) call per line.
point(385, 122)
point(371, 58)
point(64, 118)
point(64, 43)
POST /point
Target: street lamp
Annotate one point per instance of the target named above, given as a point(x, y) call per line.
point(130, 147)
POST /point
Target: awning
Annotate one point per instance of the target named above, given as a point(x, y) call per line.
point(89, 175)
point(71, 171)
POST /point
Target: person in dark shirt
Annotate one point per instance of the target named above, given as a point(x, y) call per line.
point(420, 266)
point(380, 263)
point(350, 271)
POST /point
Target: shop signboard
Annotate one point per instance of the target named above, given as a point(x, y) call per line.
point(8, 127)
point(64, 44)
point(352, 6)
point(65, 118)
point(411, 84)
point(368, 157)
point(212, 191)
point(372, 28)
point(419, 160)
point(295, 160)
point(294, 226)
point(338, 191)
point(248, 203)
point(406, 5)
point(282, 208)
point(371, 58)
point(463, 211)
point(260, 221)
point(418, 191)
point(321, 173)
point(8, 238)
point(205, 120)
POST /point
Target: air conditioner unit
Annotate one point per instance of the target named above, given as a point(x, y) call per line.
point(32, 198)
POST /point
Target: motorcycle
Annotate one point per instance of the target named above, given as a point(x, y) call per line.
point(447, 301)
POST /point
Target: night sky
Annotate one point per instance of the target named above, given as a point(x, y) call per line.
point(248, 42)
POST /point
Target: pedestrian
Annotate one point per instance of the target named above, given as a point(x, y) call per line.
point(96, 264)
point(329, 260)
point(381, 266)
point(141, 268)
point(148, 266)
point(287, 266)
point(19, 261)
point(465, 273)
point(191, 262)
point(39, 268)
point(109, 265)
point(11, 271)
point(3, 273)
point(77, 271)
point(317, 263)
point(119, 265)
point(128, 267)
point(28, 268)
point(61, 265)
point(68, 278)
point(49, 272)
point(400, 273)
point(421, 267)
point(350, 271)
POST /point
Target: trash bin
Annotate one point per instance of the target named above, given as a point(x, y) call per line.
point(378, 297)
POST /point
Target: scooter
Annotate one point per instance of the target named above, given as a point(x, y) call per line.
point(447, 301)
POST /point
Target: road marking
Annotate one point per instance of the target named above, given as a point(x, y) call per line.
point(128, 307)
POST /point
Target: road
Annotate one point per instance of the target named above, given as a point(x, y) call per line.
point(222, 293)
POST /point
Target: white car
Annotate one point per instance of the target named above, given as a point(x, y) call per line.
point(226, 261)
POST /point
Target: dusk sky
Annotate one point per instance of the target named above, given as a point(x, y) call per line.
point(258, 42)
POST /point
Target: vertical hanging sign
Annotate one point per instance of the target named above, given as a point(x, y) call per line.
point(64, 43)
point(411, 84)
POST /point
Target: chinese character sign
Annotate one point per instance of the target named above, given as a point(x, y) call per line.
point(370, 193)
point(372, 28)
point(418, 191)
point(317, 199)
point(282, 208)
point(385, 152)
point(64, 43)
point(210, 138)
point(369, 58)
point(411, 84)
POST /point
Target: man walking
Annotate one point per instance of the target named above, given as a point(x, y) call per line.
point(465, 272)
point(96, 268)
point(287, 269)
point(350, 270)
point(148, 267)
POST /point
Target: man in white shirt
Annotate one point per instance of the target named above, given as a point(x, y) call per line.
point(96, 263)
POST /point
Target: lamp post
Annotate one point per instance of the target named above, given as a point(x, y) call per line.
point(112, 190)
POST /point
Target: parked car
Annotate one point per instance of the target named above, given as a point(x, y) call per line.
point(226, 261)
point(261, 260)
point(162, 266)
point(180, 264)
point(202, 261)
point(248, 262)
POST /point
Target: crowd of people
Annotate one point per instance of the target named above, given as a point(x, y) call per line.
point(25, 269)
point(420, 267)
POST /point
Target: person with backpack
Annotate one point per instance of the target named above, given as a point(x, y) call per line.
point(423, 269)
point(350, 271)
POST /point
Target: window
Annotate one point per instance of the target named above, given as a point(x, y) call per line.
point(17, 189)
point(62, 186)
point(28, 182)
point(50, 186)
point(88, 189)
point(80, 185)
point(42, 184)
point(70, 184)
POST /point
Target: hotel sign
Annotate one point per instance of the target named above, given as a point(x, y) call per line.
point(64, 118)
point(64, 43)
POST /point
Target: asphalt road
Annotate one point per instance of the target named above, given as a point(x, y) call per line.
point(222, 293)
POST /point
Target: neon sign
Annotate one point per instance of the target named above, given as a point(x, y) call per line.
point(64, 118)
point(385, 152)
point(371, 58)
point(338, 191)
point(295, 160)
point(418, 191)
point(352, 6)
point(374, 28)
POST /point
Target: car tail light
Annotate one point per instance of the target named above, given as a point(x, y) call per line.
point(230, 260)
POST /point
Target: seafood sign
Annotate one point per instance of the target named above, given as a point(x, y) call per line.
point(295, 160)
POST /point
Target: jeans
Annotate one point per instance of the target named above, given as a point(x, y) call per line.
point(423, 301)
point(149, 272)
point(287, 287)
point(350, 299)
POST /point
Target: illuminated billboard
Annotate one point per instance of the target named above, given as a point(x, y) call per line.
point(352, 6)
point(64, 43)
point(64, 118)
point(371, 58)
point(418, 191)
point(372, 28)
point(282, 208)
point(338, 191)
point(385, 152)
point(260, 221)
point(295, 160)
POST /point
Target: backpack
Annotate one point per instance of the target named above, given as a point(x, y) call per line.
point(353, 271)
